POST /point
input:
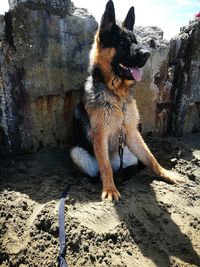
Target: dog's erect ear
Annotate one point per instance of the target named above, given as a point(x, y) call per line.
point(108, 18)
point(130, 19)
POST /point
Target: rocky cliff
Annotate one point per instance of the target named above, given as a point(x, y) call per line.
point(169, 95)
point(44, 54)
point(148, 94)
point(44, 48)
point(184, 62)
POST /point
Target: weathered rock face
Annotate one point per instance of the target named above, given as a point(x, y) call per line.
point(148, 93)
point(184, 60)
point(56, 7)
point(168, 98)
point(44, 47)
point(44, 57)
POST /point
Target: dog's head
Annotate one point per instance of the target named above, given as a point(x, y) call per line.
point(118, 46)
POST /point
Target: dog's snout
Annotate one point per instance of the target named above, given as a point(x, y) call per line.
point(140, 56)
point(145, 54)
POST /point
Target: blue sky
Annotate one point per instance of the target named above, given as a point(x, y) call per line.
point(169, 15)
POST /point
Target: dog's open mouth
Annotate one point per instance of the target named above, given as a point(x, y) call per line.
point(133, 73)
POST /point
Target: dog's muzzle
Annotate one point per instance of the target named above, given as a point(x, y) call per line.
point(141, 57)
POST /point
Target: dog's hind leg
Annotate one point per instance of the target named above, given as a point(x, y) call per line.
point(85, 162)
point(89, 165)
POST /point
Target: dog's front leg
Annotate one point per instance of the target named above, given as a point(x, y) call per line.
point(137, 146)
point(100, 144)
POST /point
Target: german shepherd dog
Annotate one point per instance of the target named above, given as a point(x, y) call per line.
point(106, 121)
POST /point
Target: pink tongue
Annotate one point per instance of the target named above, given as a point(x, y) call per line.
point(136, 73)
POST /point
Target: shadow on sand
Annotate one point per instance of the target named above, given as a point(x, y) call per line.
point(42, 176)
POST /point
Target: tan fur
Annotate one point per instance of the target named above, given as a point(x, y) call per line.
point(103, 58)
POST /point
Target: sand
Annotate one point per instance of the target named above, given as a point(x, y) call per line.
point(153, 224)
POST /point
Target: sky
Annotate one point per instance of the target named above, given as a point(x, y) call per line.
point(169, 15)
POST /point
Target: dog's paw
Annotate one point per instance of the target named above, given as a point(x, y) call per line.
point(110, 194)
point(171, 177)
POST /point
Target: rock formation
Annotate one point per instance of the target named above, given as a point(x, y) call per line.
point(148, 93)
point(44, 48)
point(169, 96)
point(44, 57)
point(184, 62)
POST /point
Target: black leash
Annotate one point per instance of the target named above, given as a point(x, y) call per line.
point(122, 140)
point(121, 152)
point(61, 223)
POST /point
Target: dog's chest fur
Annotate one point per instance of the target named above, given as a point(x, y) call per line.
point(110, 112)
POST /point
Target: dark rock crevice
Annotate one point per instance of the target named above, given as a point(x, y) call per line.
point(185, 58)
point(178, 86)
point(8, 29)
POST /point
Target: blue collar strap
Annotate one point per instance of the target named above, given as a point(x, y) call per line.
point(61, 223)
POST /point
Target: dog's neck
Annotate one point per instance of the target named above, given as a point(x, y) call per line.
point(98, 93)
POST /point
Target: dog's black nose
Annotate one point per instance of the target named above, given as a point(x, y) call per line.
point(145, 54)
point(141, 57)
